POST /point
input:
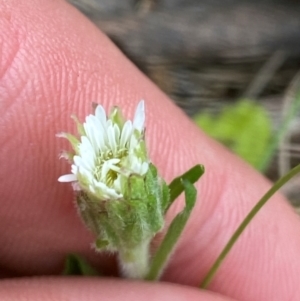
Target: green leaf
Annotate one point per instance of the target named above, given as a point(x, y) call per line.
point(116, 117)
point(244, 127)
point(168, 244)
point(77, 265)
point(80, 128)
point(72, 139)
point(101, 243)
point(177, 187)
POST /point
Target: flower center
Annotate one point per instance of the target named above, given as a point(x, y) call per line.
point(111, 175)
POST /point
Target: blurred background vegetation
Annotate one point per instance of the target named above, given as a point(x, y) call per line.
point(231, 65)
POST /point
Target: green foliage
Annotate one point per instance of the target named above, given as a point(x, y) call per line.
point(127, 222)
point(166, 248)
point(176, 187)
point(144, 192)
point(244, 127)
point(77, 265)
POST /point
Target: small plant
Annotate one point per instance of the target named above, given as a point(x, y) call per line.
point(119, 194)
point(244, 127)
point(123, 200)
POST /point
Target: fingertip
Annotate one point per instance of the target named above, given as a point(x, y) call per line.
point(60, 66)
point(91, 289)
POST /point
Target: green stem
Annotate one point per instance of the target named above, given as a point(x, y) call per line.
point(208, 278)
point(281, 131)
point(134, 263)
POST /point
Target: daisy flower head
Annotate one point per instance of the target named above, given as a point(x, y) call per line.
point(107, 152)
point(119, 194)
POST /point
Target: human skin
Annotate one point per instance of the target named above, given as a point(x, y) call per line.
point(53, 63)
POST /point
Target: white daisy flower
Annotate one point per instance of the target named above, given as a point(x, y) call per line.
point(107, 153)
point(119, 194)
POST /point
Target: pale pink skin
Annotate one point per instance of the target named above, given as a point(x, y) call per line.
point(54, 62)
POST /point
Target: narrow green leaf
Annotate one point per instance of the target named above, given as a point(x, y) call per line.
point(168, 244)
point(77, 265)
point(72, 139)
point(80, 128)
point(176, 186)
point(266, 197)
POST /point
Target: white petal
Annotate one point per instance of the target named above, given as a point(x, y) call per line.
point(112, 138)
point(86, 127)
point(101, 115)
point(83, 163)
point(77, 160)
point(106, 191)
point(67, 178)
point(117, 133)
point(100, 185)
point(100, 135)
point(83, 169)
point(112, 165)
point(91, 131)
point(112, 193)
point(107, 165)
point(134, 164)
point(134, 143)
point(144, 168)
point(74, 169)
point(86, 146)
point(86, 173)
point(90, 124)
point(113, 161)
point(117, 183)
point(108, 123)
point(137, 166)
point(92, 189)
point(139, 116)
point(89, 161)
point(104, 170)
point(90, 157)
point(97, 123)
point(126, 132)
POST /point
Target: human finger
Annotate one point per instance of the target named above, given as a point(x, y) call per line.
point(55, 63)
point(91, 289)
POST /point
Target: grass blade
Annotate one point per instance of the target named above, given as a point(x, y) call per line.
point(210, 275)
point(77, 265)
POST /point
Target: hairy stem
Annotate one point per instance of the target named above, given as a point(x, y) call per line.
point(134, 263)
